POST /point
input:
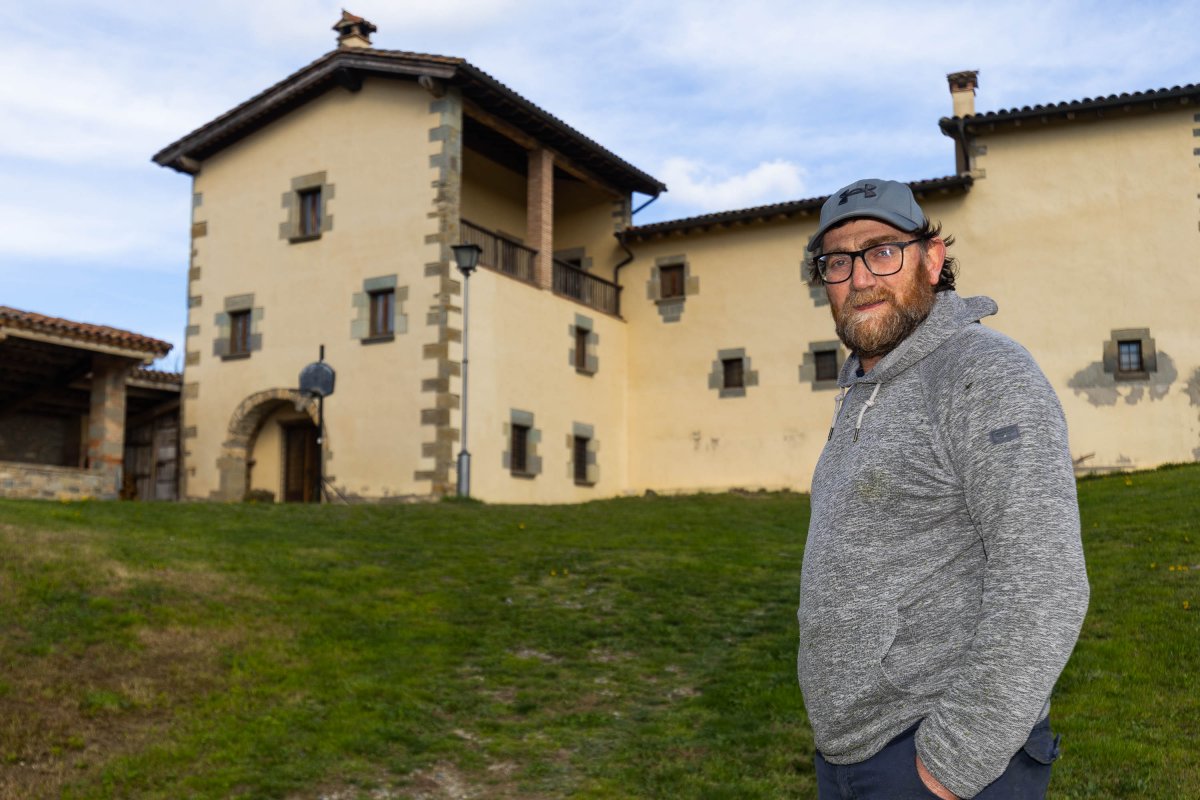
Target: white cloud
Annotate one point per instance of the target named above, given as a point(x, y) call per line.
point(693, 185)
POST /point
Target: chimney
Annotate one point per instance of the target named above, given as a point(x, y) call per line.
point(353, 31)
point(962, 91)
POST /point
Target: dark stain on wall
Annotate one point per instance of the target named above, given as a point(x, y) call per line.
point(1102, 389)
point(1192, 389)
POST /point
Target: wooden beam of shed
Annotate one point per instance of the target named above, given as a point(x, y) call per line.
point(58, 382)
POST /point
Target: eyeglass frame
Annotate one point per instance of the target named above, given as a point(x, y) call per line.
point(856, 255)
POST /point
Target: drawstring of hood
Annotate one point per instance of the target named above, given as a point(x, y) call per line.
point(870, 402)
point(837, 411)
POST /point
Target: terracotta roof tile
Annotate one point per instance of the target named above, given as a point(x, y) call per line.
point(81, 331)
point(1087, 105)
point(792, 207)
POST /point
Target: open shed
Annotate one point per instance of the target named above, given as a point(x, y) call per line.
point(80, 415)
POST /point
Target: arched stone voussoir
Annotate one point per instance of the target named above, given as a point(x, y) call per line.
point(247, 418)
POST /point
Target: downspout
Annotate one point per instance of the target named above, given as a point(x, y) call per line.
point(628, 253)
point(962, 145)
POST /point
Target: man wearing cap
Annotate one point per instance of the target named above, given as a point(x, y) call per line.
point(943, 584)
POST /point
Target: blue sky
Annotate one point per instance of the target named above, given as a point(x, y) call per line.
point(730, 104)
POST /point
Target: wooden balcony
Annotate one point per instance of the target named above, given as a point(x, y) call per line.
point(501, 253)
point(514, 259)
point(591, 290)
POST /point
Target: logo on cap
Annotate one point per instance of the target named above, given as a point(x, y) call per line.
point(866, 190)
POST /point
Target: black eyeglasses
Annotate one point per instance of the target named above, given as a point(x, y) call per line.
point(880, 259)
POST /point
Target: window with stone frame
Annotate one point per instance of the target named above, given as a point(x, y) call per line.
point(238, 328)
point(307, 205)
point(825, 363)
point(731, 374)
point(1130, 354)
point(522, 438)
point(582, 447)
point(239, 333)
point(671, 281)
point(382, 312)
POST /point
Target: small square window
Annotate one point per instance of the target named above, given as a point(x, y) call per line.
point(310, 211)
point(671, 281)
point(519, 449)
point(239, 333)
point(581, 338)
point(1129, 356)
point(734, 373)
point(383, 308)
point(580, 450)
point(826, 363)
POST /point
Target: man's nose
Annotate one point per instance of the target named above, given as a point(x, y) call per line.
point(860, 276)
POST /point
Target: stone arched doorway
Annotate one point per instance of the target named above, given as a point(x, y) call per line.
point(244, 425)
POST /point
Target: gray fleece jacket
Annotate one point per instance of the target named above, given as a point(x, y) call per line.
point(943, 578)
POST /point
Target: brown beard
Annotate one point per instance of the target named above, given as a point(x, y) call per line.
point(876, 334)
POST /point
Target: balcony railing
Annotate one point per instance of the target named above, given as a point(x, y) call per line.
point(515, 259)
point(591, 290)
point(500, 253)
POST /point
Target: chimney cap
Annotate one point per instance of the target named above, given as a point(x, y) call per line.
point(353, 30)
point(965, 81)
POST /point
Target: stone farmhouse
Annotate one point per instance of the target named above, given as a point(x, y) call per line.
point(607, 358)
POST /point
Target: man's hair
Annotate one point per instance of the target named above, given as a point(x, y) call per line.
point(926, 232)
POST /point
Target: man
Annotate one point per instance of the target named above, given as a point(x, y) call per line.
point(943, 584)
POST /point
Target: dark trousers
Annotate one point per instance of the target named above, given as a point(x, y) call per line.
point(891, 774)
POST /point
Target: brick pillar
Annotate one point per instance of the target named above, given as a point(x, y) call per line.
point(106, 420)
point(539, 218)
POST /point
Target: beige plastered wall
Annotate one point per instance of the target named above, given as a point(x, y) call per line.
point(584, 218)
point(375, 148)
point(493, 195)
point(751, 294)
point(1080, 229)
point(519, 343)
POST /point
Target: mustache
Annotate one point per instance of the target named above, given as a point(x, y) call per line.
point(865, 297)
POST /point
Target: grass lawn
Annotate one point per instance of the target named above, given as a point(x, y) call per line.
point(620, 649)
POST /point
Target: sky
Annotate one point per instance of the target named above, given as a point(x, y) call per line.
point(731, 104)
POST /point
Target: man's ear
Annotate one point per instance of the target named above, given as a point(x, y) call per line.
point(935, 257)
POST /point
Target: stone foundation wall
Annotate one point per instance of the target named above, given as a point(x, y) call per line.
point(45, 482)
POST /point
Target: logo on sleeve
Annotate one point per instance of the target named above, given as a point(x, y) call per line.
point(1005, 434)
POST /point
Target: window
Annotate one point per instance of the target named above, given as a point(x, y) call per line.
point(671, 281)
point(383, 307)
point(735, 376)
point(310, 211)
point(519, 449)
point(1129, 356)
point(581, 340)
point(239, 333)
point(580, 460)
point(825, 362)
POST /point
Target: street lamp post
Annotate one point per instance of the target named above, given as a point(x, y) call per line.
point(467, 258)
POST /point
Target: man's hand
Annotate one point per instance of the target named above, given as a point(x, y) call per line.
point(932, 783)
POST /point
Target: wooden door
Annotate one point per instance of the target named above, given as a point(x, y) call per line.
point(300, 455)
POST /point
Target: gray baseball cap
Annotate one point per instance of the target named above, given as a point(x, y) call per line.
point(888, 201)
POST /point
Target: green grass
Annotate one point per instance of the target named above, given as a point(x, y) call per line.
point(625, 648)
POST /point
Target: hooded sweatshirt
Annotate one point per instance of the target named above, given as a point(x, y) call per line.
point(943, 579)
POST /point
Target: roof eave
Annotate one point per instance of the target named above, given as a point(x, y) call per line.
point(777, 212)
point(1074, 110)
point(345, 67)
